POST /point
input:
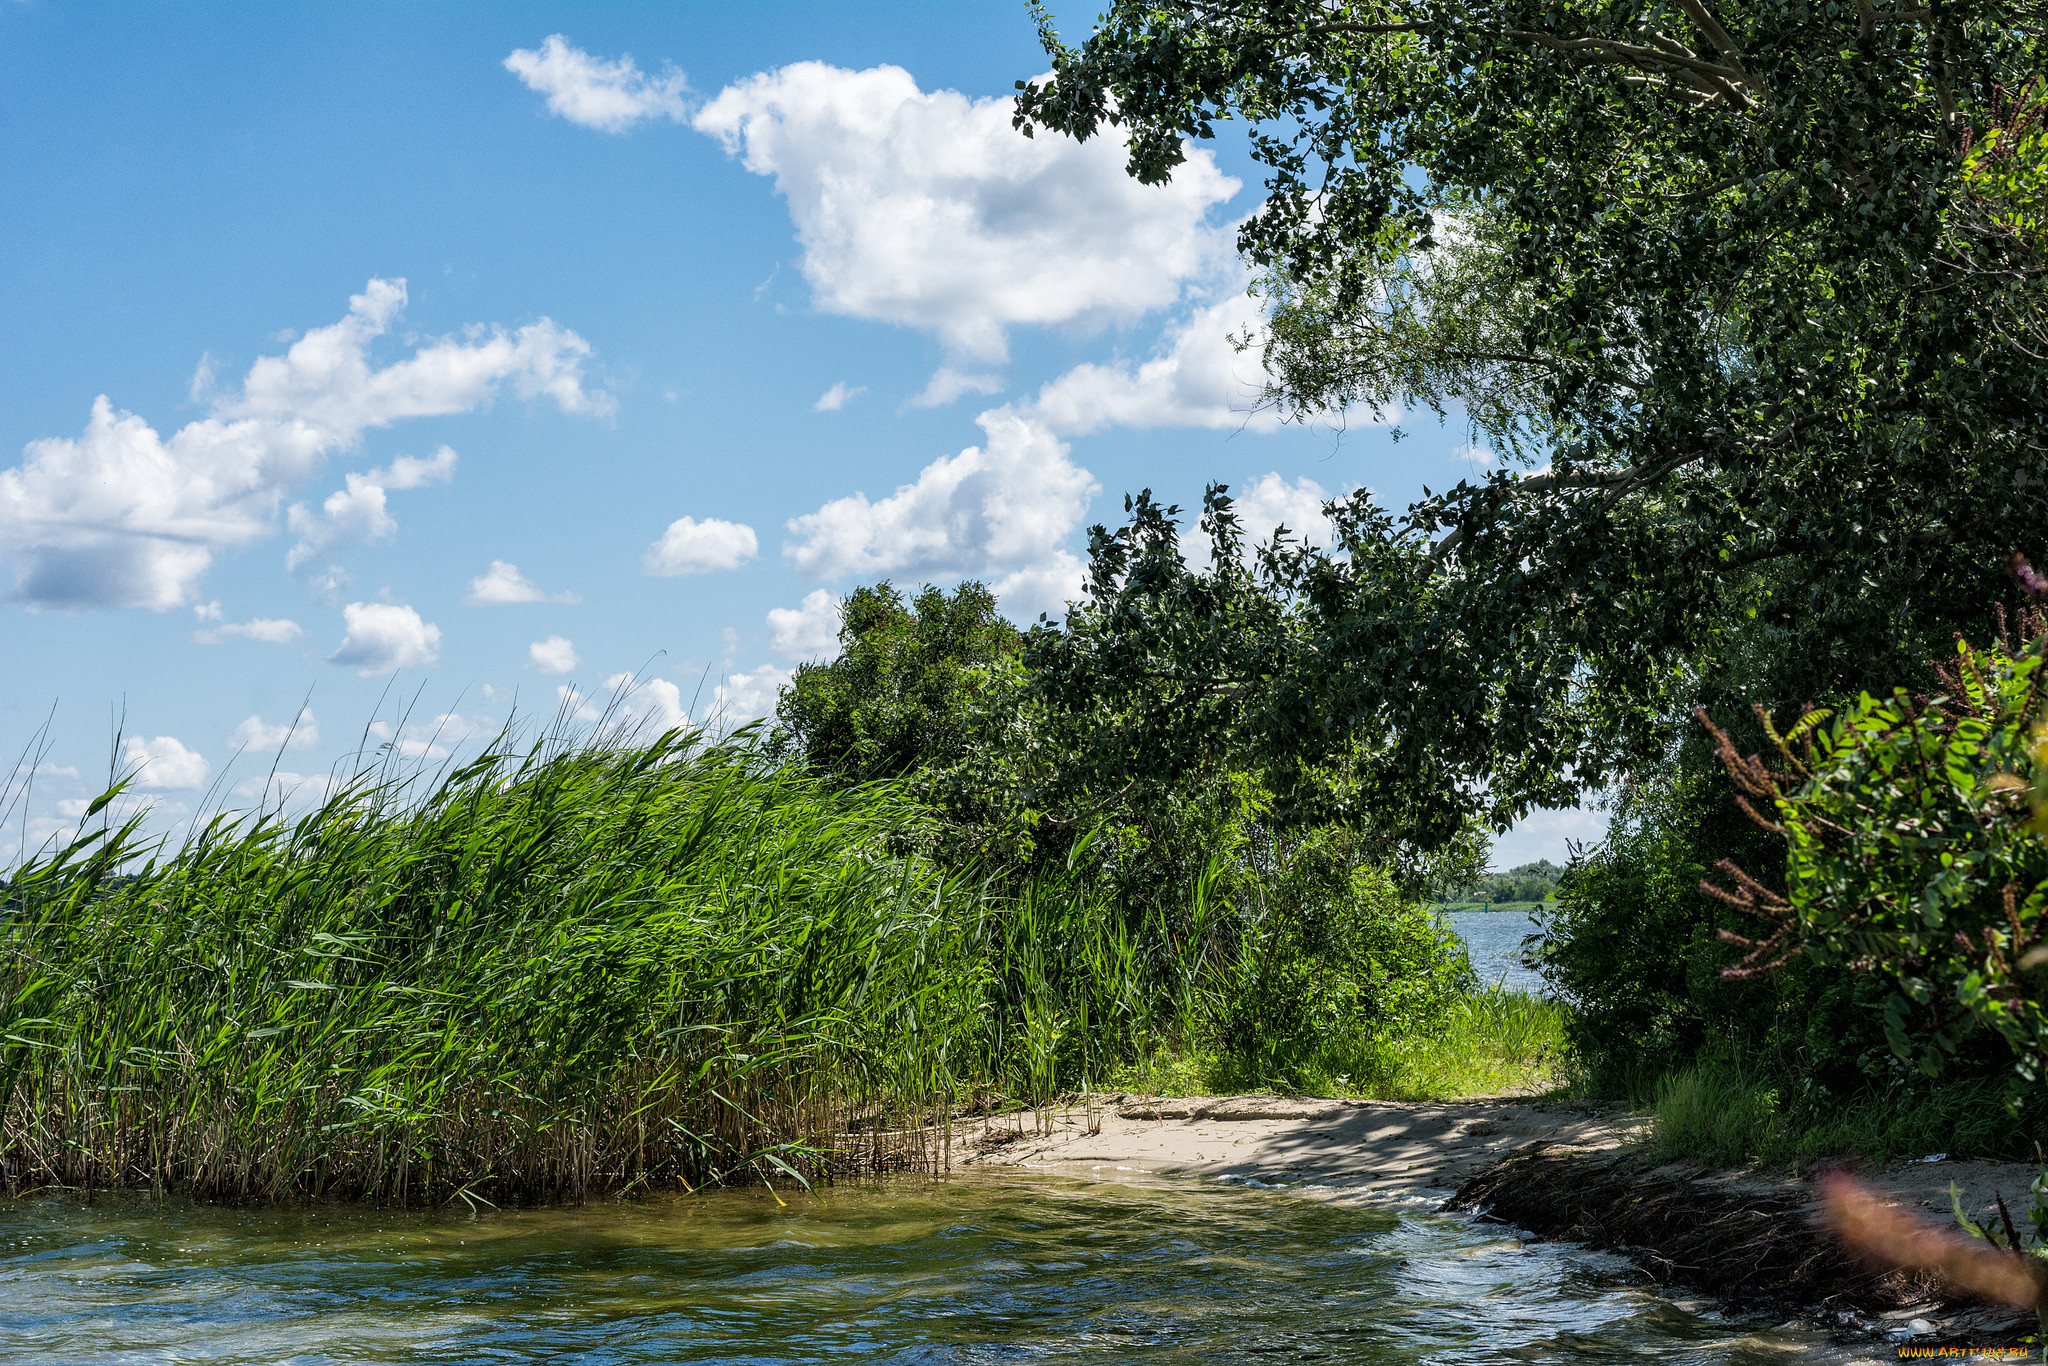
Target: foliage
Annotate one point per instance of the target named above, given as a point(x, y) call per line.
point(909, 686)
point(1493, 1041)
point(1715, 1113)
point(1741, 278)
point(1630, 944)
point(1167, 676)
point(1321, 938)
point(595, 965)
point(1525, 882)
point(1911, 851)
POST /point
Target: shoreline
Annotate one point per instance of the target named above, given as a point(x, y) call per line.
point(1560, 1170)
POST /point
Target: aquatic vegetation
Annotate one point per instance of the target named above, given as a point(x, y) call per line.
point(576, 967)
point(597, 965)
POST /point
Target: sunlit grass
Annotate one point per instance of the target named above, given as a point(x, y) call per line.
point(1494, 1041)
point(573, 967)
point(1714, 1114)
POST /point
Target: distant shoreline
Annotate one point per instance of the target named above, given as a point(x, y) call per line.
point(1466, 907)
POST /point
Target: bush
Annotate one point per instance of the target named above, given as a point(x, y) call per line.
point(1912, 852)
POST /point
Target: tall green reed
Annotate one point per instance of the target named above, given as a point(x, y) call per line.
point(574, 967)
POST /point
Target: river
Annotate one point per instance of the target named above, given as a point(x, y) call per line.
point(1494, 939)
point(975, 1268)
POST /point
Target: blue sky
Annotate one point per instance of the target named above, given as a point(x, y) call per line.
point(431, 360)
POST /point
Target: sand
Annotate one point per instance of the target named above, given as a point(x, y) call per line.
point(1430, 1149)
point(1414, 1147)
point(1388, 1145)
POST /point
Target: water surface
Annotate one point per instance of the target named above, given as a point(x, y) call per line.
point(1494, 939)
point(985, 1267)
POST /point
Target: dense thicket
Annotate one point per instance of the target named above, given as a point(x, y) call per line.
point(1759, 288)
point(594, 966)
point(935, 689)
point(1737, 278)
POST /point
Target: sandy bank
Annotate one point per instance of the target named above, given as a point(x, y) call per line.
point(1557, 1169)
point(1383, 1144)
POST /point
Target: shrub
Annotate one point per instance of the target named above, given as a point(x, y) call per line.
point(1912, 852)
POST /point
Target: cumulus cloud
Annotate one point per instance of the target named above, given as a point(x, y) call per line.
point(1198, 379)
point(555, 655)
point(503, 583)
point(610, 96)
point(256, 734)
point(163, 764)
point(807, 631)
point(114, 812)
point(432, 739)
point(282, 789)
point(384, 637)
point(122, 516)
point(931, 211)
point(1043, 588)
point(1265, 505)
point(837, 397)
point(991, 509)
point(693, 547)
point(653, 702)
point(633, 707)
point(947, 384)
point(743, 697)
point(215, 628)
point(356, 512)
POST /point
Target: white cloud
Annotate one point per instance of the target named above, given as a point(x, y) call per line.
point(1268, 503)
point(991, 509)
point(121, 516)
point(608, 96)
point(1046, 587)
point(434, 739)
point(356, 512)
point(809, 631)
point(555, 655)
point(255, 734)
point(1198, 379)
point(837, 397)
point(656, 702)
point(947, 384)
point(1473, 455)
point(281, 788)
point(931, 210)
point(163, 763)
point(742, 697)
point(634, 708)
point(114, 812)
point(693, 547)
point(269, 630)
point(385, 637)
point(503, 583)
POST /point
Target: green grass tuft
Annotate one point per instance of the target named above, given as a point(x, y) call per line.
point(1490, 1042)
point(1712, 1114)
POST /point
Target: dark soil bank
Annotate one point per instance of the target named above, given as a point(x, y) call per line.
point(1754, 1242)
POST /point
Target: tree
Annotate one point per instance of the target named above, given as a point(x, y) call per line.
point(909, 686)
point(1757, 286)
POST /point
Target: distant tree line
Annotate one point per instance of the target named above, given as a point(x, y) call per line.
point(1524, 882)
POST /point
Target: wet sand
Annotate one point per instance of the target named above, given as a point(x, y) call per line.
point(1431, 1149)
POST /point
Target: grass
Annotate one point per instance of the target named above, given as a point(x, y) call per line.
point(1713, 1114)
point(1490, 1042)
point(566, 969)
point(1525, 907)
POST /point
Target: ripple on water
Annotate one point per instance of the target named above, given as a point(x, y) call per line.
point(987, 1267)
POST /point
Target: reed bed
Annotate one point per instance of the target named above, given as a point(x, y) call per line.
point(576, 968)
